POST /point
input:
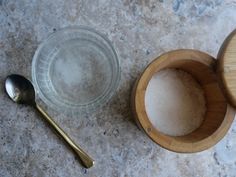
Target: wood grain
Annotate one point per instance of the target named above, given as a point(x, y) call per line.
point(219, 114)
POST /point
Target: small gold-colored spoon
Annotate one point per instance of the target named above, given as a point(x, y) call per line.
point(21, 90)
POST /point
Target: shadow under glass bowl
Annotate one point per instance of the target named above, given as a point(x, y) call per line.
point(75, 70)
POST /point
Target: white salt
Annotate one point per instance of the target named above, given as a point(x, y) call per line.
point(175, 102)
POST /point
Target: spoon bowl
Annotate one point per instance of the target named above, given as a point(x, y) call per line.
point(20, 89)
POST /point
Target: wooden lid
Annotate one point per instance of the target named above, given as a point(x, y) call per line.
point(226, 68)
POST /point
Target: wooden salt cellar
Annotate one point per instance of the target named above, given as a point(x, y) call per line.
point(218, 80)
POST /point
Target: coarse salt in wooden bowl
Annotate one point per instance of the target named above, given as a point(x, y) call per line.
point(219, 90)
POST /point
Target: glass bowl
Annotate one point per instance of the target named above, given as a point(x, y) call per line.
point(76, 70)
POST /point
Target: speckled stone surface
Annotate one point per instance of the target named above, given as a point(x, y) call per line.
point(139, 31)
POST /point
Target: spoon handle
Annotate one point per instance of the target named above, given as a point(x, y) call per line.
point(86, 160)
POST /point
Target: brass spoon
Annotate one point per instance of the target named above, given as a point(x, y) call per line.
point(20, 90)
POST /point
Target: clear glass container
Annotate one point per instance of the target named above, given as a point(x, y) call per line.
point(76, 70)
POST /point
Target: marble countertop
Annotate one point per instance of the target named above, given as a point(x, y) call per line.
point(140, 30)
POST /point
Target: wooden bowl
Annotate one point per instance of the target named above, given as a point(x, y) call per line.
point(219, 114)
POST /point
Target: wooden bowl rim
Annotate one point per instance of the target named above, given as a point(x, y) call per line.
point(168, 142)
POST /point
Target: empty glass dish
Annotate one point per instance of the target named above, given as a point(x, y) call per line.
point(76, 70)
